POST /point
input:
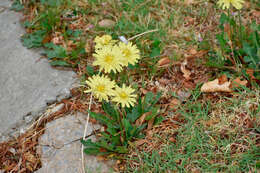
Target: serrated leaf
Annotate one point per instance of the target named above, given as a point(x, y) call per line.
point(34, 39)
point(110, 110)
point(102, 119)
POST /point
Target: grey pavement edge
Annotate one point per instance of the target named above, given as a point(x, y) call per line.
point(27, 82)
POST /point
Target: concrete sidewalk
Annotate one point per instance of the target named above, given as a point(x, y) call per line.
point(27, 83)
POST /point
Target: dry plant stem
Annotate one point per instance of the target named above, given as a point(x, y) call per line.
point(84, 136)
point(146, 32)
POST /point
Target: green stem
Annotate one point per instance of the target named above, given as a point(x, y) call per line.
point(240, 27)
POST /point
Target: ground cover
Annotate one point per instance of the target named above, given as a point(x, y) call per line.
point(183, 44)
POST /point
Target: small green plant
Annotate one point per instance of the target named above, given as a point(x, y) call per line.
point(17, 6)
point(121, 128)
point(120, 120)
point(239, 45)
point(33, 39)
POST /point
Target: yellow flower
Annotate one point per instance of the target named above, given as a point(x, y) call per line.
point(238, 4)
point(105, 40)
point(108, 58)
point(100, 86)
point(124, 96)
point(130, 53)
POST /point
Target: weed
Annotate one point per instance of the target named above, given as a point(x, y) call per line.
point(121, 129)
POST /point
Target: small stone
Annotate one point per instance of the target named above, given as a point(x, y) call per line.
point(106, 23)
point(28, 119)
point(56, 108)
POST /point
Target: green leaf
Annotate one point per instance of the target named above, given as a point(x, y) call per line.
point(56, 52)
point(102, 119)
point(136, 112)
point(17, 6)
point(148, 98)
point(154, 113)
point(60, 63)
point(128, 127)
point(110, 110)
point(34, 39)
point(156, 50)
point(121, 149)
point(90, 70)
point(223, 18)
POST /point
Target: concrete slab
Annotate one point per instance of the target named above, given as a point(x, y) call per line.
point(5, 3)
point(60, 153)
point(27, 83)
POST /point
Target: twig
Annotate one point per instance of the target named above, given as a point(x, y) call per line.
point(84, 136)
point(146, 32)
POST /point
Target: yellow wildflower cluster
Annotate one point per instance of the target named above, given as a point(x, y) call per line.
point(225, 4)
point(112, 56)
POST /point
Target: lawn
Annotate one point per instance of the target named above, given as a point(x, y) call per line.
point(193, 82)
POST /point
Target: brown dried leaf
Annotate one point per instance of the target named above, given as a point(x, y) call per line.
point(106, 23)
point(193, 51)
point(174, 102)
point(222, 79)
point(141, 120)
point(256, 13)
point(214, 86)
point(186, 73)
point(164, 62)
point(250, 72)
point(140, 142)
point(150, 124)
point(172, 139)
point(144, 91)
point(237, 82)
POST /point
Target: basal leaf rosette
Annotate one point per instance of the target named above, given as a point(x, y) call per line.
point(101, 87)
point(124, 96)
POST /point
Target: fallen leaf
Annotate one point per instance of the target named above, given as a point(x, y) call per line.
point(214, 86)
point(174, 102)
point(106, 23)
point(222, 79)
point(189, 85)
point(237, 82)
point(172, 139)
point(140, 142)
point(144, 91)
point(150, 124)
point(193, 51)
point(88, 46)
point(186, 73)
point(141, 120)
point(256, 14)
point(164, 62)
point(250, 72)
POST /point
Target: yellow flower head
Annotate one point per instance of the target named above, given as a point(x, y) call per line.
point(130, 53)
point(124, 96)
point(238, 4)
point(105, 40)
point(108, 58)
point(100, 86)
